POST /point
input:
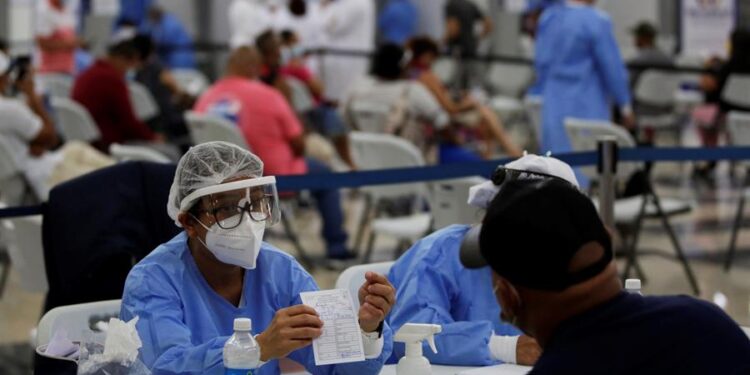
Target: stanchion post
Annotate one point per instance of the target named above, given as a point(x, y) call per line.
point(607, 168)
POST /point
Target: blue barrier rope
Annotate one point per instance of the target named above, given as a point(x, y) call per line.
point(458, 170)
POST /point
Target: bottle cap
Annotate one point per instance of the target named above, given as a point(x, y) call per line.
point(634, 284)
point(243, 324)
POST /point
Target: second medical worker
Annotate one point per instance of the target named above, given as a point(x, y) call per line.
point(188, 291)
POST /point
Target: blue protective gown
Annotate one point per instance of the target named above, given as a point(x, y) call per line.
point(134, 11)
point(174, 45)
point(184, 323)
point(579, 70)
point(434, 287)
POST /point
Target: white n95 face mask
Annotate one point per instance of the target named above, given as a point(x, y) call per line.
point(239, 246)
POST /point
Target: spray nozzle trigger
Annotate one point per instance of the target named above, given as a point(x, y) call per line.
point(431, 342)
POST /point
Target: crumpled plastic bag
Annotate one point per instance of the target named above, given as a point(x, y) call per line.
point(118, 355)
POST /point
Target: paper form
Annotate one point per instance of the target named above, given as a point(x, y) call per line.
point(341, 341)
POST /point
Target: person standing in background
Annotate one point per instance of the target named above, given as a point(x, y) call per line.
point(134, 11)
point(583, 76)
point(247, 20)
point(461, 18)
point(56, 37)
point(398, 21)
point(174, 45)
point(348, 25)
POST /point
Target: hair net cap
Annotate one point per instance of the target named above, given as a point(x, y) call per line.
point(210, 164)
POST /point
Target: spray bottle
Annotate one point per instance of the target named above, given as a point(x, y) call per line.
point(412, 335)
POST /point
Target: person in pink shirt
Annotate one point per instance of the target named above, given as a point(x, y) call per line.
point(56, 37)
point(274, 134)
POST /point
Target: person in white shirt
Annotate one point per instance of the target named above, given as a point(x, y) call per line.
point(347, 25)
point(28, 134)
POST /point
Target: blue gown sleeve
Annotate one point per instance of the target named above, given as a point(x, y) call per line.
point(303, 282)
point(167, 345)
point(426, 298)
point(610, 63)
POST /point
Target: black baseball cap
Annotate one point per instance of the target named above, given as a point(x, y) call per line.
point(531, 232)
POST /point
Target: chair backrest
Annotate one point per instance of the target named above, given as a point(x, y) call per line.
point(144, 104)
point(746, 330)
point(584, 135)
point(24, 239)
point(510, 79)
point(192, 81)
point(13, 183)
point(353, 277)
point(445, 69)
point(75, 319)
point(123, 153)
point(737, 90)
point(383, 151)
point(302, 100)
point(206, 127)
point(56, 85)
point(657, 87)
point(368, 116)
point(74, 121)
point(448, 203)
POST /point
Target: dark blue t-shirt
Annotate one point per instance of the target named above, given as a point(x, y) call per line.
point(632, 334)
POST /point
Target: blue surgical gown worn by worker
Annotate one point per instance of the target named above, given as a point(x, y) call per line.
point(173, 43)
point(398, 21)
point(184, 324)
point(434, 287)
point(133, 11)
point(579, 70)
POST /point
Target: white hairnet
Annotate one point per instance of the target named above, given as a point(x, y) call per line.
point(210, 164)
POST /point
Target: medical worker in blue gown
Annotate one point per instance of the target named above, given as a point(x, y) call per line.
point(580, 71)
point(174, 45)
point(434, 287)
point(188, 291)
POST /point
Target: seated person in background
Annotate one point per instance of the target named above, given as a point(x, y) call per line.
point(172, 100)
point(283, 62)
point(556, 280)
point(173, 43)
point(273, 131)
point(648, 54)
point(467, 111)
point(188, 291)
point(103, 91)
point(434, 287)
point(713, 83)
point(29, 134)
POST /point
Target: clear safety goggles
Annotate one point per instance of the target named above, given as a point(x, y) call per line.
point(228, 203)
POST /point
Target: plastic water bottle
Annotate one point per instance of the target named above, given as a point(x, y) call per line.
point(241, 352)
point(633, 286)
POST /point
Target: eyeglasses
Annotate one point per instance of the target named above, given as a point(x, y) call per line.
point(503, 175)
point(229, 216)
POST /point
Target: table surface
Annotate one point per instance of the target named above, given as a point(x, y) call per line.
point(454, 370)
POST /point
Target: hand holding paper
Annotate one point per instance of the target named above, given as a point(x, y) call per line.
point(292, 328)
point(341, 341)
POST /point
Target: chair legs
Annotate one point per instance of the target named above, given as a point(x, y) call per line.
point(363, 223)
point(370, 245)
point(736, 227)
point(305, 259)
point(632, 247)
point(676, 243)
point(5, 263)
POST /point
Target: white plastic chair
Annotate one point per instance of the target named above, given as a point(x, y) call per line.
point(302, 100)
point(737, 90)
point(382, 151)
point(656, 90)
point(14, 187)
point(123, 153)
point(23, 236)
point(746, 330)
point(630, 212)
point(448, 204)
point(369, 117)
point(510, 80)
point(192, 81)
point(56, 85)
point(74, 121)
point(144, 104)
point(445, 69)
point(533, 106)
point(208, 127)
point(738, 127)
point(75, 319)
point(353, 277)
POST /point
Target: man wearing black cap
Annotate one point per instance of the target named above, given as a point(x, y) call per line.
point(648, 54)
point(555, 279)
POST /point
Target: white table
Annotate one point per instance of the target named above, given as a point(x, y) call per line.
point(455, 370)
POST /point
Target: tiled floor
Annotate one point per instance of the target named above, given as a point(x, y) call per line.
point(704, 233)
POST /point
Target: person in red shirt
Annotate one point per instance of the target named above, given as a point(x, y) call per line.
point(274, 133)
point(103, 91)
